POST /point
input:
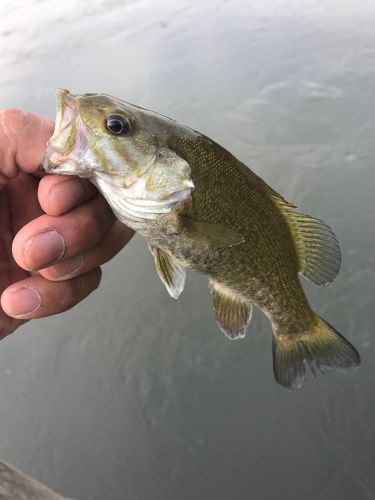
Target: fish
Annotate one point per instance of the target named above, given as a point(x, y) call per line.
point(201, 209)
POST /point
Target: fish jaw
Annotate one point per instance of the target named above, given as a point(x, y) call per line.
point(133, 209)
point(70, 140)
point(140, 178)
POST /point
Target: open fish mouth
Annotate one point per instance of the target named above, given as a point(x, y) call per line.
point(64, 136)
point(69, 140)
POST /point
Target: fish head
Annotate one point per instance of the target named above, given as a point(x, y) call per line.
point(122, 148)
point(98, 134)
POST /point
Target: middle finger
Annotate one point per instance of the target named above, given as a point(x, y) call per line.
point(48, 239)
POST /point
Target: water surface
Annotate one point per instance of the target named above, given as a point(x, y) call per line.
point(133, 395)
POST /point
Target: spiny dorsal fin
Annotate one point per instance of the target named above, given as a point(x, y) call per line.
point(171, 273)
point(233, 314)
point(316, 244)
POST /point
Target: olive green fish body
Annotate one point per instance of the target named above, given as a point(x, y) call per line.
point(201, 209)
point(263, 269)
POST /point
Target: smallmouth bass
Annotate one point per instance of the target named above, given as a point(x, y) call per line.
point(201, 209)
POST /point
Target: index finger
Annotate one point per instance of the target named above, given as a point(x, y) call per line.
point(23, 140)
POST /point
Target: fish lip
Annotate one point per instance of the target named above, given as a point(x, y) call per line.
point(67, 112)
point(61, 166)
point(69, 141)
point(63, 99)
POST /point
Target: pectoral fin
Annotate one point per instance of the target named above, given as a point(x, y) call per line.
point(171, 273)
point(233, 314)
point(213, 234)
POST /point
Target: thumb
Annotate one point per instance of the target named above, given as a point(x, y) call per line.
point(23, 141)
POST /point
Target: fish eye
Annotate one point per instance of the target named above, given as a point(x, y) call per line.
point(117, 125)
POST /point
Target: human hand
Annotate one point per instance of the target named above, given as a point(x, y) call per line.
point(55, 232)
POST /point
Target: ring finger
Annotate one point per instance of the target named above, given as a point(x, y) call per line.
point(112, 242)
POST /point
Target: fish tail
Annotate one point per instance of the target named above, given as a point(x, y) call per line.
point(321, 346)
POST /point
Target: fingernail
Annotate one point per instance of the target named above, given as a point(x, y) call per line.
point(67, 269)
point(23, 301)
point(44, 249)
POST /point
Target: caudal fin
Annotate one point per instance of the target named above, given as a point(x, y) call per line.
point(321, 347)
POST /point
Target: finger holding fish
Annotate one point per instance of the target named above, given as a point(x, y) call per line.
point(59, 194)
point(49, 239)
point(23, 138)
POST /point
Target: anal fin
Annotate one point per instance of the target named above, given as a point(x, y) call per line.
point(233, 314)
point(171, 273)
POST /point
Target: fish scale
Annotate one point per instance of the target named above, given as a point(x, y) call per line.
point(201, 209)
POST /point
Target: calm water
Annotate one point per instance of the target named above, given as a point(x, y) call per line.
point(132, 395)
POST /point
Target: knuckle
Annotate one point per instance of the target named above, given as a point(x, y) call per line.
point(87, 227)
point(8, 167)
point(12, 122)
point(94, 219)
point(9, 115)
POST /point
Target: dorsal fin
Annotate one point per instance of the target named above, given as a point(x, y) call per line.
point(317, 247)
